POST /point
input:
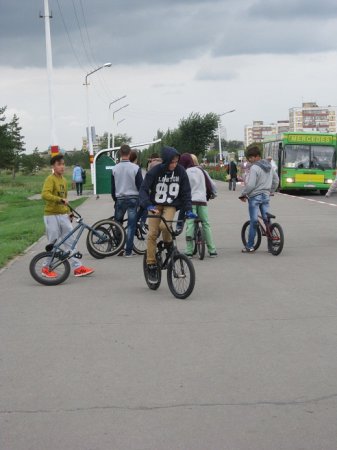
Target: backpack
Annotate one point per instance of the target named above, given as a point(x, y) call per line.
point(84, 175)
point(209, 189)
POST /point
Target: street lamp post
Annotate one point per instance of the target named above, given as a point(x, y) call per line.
point(113, 123)
point(91, 149)
point(111, 103)
point(219, 132)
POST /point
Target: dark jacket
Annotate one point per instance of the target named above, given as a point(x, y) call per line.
point(164, 187)
point(232, 170)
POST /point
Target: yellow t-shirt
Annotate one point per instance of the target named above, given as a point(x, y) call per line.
point(54, 189)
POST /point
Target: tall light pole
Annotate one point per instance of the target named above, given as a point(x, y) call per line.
point(113, 123)
point(91, 149)
point(54, 148)
point(111, 103)
point(219, 132)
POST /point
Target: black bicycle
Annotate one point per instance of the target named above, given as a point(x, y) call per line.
point(56, 259)
point(180, 270)
point(272, 231)
point(199, 239)
point(139, 242)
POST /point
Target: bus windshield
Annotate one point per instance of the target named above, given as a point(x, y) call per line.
point(309, 157)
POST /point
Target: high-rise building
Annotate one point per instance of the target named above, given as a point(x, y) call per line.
point(311, 117)
point(259, 130)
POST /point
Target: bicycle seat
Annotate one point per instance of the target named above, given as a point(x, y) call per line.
point(270, 216)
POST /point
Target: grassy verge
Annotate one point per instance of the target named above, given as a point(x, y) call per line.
point(21, 220)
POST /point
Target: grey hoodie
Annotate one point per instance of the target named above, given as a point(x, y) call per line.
point(261, 179)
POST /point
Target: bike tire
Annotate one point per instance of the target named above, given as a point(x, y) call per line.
point(244, 235)
point(40, 260)
point(200, 242)
point(93, 252)
point(181, 276)
point(111, 238)
point(140, 240)
point(152, 286)
point(275, 245)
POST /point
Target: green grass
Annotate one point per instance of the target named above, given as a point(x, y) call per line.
point(21, 220)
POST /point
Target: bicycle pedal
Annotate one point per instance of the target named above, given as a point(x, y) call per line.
point(78, 255)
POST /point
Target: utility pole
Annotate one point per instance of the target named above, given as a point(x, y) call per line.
point(53, 141)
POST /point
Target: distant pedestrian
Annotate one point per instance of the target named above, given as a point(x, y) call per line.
point(56, 215)
point(153, 161)
point(233, 174)
point(78, 178)
point(133, 157)
point(272, 163)
point(126, 180)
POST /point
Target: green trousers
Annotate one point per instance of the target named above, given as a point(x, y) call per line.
point(202, 212)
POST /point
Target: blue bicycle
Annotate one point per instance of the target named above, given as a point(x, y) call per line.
point(106, 237)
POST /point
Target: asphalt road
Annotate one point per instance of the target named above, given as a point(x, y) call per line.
point(248, 362)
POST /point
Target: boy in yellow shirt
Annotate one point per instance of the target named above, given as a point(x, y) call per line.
point(56, 215)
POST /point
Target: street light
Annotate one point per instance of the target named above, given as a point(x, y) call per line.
point(111, 103)
point(219, 131)
point(91, 150)
point(120, 121)
point(113, 123)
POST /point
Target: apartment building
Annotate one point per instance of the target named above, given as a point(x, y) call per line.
point(259, 130)
point(311, 117)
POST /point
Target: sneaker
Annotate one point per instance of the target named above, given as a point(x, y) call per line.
point(152, 273)
point(213, 255)
point(48, 273)
point(248, 250)
point(128, 255)
point(83, 271)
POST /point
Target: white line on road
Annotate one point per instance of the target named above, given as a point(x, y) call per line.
point(308, 199)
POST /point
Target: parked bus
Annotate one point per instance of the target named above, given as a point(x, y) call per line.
point(305, 161)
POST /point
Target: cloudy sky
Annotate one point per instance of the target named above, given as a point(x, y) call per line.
point(170, 57)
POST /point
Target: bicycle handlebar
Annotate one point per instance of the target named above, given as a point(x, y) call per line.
point(166, 222)
point(76, 213)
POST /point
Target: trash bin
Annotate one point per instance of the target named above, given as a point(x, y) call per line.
point(103, 166)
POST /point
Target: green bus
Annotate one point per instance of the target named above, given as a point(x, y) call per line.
point(305, 161)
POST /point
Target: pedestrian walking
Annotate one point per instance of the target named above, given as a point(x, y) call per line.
point(78, 178)
point(56, 215)
point(262, 181)
point(126, 180)
point(233, 174)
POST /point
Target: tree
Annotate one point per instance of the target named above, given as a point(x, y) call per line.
point(11, 143)
point(197, 132)
point(33, 162)
point(119, 140)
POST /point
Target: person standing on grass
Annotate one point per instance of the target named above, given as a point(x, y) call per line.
point(78, 178)
point(262, 181)
point(56, 215)
point(126, 179)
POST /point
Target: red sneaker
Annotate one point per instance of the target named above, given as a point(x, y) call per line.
point(83, 271)
point(48, 273)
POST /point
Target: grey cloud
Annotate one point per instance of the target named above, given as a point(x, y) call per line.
point(215, 74)
point(293, 9)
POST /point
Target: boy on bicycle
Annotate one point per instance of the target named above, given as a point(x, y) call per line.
point(56, 214)
point(165, 189)
point(261, 182)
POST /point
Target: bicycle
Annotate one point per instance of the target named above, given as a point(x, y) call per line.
point(272, 231)
point(57, 259)
point(180, 270)
point(199, 239)
point(140, 239)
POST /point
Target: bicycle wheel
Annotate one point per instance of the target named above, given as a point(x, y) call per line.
point(244, 235)
point(152, 286)
point(60, 268)
point(106, 237)
point(200, 242)
point(92, 251)
point(275, 244)
point(140, 240)
point(180, 276)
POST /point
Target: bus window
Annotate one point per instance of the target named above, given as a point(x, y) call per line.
point(323, 157)
point(297, 156)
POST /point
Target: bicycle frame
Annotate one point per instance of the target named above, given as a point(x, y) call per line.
point(265, 227)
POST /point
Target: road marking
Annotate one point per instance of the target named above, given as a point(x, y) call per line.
point(308, 199)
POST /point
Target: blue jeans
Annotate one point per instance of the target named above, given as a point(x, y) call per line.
point(255, 204)
point(129, 205)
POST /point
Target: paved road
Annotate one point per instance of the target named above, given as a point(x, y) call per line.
point(248, 362)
